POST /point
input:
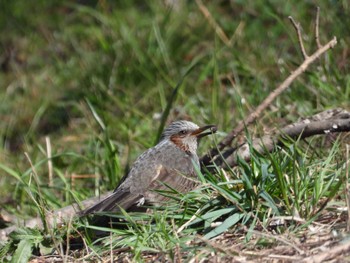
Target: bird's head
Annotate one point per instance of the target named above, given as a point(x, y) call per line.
point(185, 134)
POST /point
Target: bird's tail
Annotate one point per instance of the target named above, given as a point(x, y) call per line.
point(113, 203)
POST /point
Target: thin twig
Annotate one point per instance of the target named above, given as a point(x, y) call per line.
point(300, 38)
point(317, 24)
point(213, 23)
point(268, 100)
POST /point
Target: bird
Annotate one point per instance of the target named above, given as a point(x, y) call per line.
point(170, 163)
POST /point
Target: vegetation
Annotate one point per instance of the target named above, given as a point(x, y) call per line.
point(87, 83)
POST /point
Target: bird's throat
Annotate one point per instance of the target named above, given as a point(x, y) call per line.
point(179, 143)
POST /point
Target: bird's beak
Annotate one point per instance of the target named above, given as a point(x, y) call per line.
point(199, 133)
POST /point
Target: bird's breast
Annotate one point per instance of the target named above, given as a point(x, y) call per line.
point(179, 160)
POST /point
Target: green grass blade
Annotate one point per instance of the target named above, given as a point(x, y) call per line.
point(23, 251)
point(11, 172)
point(229, 222)
point(211, 216)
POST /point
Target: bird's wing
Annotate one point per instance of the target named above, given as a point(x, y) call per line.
point(146, 185)
point(130, 191)
point(168, 179)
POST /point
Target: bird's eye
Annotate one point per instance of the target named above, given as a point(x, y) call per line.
point(183, 132)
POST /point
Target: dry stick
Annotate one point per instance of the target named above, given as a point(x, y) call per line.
point(317, 37)
point(300, 38)
point(254, 115)
point(267, 143)
point(49, 160)
point(213, 23)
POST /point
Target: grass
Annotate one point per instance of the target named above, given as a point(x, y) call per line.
point(100, 80)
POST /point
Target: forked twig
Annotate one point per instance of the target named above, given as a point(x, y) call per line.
point(300, 38)
point(205, 160)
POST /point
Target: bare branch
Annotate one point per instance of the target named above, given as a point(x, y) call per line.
point(306, 128)
point(300, 39)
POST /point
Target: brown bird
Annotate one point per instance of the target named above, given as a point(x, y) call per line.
point(171, 163)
